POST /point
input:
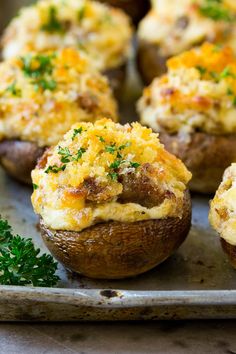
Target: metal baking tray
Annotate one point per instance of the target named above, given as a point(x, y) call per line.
point(196, 282)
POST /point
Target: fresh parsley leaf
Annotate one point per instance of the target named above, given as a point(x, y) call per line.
point(80, 153)
point(37, 65)
point(65, 153)
point(122, 147)
point(14, 90)
point(20, 262)
point(45, 85)
point(35, 186)
point(81, 13)
point(216, 10)
point(53, 24)
point(55, 169)
point(101, 139)
point(111, 148)
point(201, 69)
point(76, 132)
point(227, 73)
point(134, 164)
point(116, 164)
point(113, 175)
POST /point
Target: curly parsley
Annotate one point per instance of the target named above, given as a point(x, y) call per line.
point(20, 263)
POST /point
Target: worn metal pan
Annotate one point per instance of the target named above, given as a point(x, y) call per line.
point(197, 282)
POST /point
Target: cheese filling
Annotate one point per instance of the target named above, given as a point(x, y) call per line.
point(90, 176)
point(43, 95)
point(101, 32)
point(223, 207)
point(198, 93)
point(176, 26)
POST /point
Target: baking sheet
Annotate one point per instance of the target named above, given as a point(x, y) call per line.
point(196, 282)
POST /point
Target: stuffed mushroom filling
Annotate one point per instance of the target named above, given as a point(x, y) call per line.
point(107, 172)
point(101, 32)
point(175, 26)
point(198, 94)
point(43, 95)
point(223, 207)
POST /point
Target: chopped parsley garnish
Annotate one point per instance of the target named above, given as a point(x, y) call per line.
point(81, 13)
point(111, 148)
point(113, 175)
point(65, 154)
point(76, 132)
point(55, 169)
point(20, 263)
point(101, 139)
point(227, 73)
point(53, 24)
point(116, 164)
point(134, 164)
point(216, 10)
point(80, 153)
point(14, 90)
point(39, 68)
point(35, 186)
point(201, 69)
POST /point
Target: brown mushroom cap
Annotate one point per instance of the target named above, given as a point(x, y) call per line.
point(150, 62)
point(206, 156)
point(19, 158)
point(115, 250)
point(230, 250)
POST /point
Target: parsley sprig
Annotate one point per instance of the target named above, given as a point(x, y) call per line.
point(216, 10)
point(20, 263)
point(53, 24)
point(39, 68)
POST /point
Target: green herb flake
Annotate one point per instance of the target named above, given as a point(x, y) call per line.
point(14, 90)
point(101, 139)
point(134, 164)
point(116, 164)
point(234, 101)
point(122, 147)
point(201, 69)
point(216, 10)
point(35, 186)
point(81, 13)
point(111, 148)
point(226, 73)
point(20, 262)
point(113, 175)
point(65, 153)
point(76, 132)
point(53, 24)
point(55, 169)
point(80, 153)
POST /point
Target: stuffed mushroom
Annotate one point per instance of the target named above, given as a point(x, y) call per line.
point(112, 202)
point(41, 97)
point(223, 213)
point(103, 33)
point(193, 107)
point(136, 9)
point(172, 27)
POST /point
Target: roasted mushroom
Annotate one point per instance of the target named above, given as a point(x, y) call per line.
point(103, 33)
point(193, 107)
point(223, 213)
point(41, 97)
point(112, 202)
point(172, 27)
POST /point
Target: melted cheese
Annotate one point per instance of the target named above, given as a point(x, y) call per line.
point(197, 93)
point(223, 207)
point(31, 112)
point(59, 197)
point(177, 25)
point(102, 32)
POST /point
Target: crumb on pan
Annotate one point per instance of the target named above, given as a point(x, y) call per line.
point(43, 95)
point(105, 171)
point(223, 207)
point(102, 32)
point(198, 93)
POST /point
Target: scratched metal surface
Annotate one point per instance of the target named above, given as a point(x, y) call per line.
point(196, 282)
